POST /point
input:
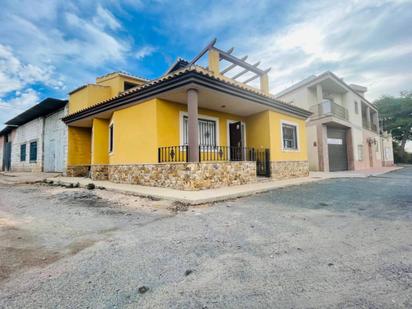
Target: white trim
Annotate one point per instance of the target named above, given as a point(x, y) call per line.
point(215, 119)
point(297, 135)
point(228, 122)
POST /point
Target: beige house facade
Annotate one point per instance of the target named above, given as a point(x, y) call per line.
point(343, 132)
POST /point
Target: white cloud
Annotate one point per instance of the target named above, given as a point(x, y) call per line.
point(105, 19)
point(358, 40)
point(18, 104)
point(14, 75)
point(144, 51)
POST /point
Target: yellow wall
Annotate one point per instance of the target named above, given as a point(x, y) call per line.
point(276, 152)
point(257, 130)
point(168, 122)
point(79, 146)
point(88, 96)
point(106, 87)
point(135, 138)
point(140, 129)
point(116, 83)
point(100, 141)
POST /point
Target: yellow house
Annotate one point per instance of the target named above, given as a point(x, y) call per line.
point(193, 128)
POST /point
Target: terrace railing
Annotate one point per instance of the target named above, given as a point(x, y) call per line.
point(328, 107)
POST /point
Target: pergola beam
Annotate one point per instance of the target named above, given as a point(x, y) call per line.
point(250, 79)
point(245, 70)
point(204, 51)
point(237, 61)
point(232, 66)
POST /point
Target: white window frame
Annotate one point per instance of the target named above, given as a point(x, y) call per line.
point(215, 119)
point(228, 122)
point(290, 123)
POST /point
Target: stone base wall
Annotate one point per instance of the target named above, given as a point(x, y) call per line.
point(289, 169)
point(78, 171)
point(185, 176)
point(99, 172)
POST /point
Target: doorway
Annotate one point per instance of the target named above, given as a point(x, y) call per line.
point(236, 140)
point(337, 152)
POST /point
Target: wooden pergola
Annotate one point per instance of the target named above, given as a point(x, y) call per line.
point(216, 55)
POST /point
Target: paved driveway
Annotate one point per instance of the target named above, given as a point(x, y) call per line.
point(343, 243)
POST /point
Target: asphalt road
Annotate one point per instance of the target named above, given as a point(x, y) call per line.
point(343, 243)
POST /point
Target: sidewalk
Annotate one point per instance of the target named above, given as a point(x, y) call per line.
point(11, 178)
point(219, 194)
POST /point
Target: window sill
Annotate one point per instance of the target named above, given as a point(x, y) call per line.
point(290, 150)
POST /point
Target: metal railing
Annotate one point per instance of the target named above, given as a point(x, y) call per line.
point(328, 107)
point(208, 153)
point(173, 154)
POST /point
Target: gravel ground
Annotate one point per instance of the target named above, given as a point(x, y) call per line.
point(343, 243)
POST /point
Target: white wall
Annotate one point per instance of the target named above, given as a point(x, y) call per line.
point(29, 132)
point(55, 142)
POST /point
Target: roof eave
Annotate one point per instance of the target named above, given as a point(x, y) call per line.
point(190, 77)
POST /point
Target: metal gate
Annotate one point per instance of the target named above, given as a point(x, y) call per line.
point(338, 160)
point(7, 156)
point(263, 162)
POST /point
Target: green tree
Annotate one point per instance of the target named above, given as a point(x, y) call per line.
point(396, 117)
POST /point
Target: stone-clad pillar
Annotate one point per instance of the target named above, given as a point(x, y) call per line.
point(192, 127)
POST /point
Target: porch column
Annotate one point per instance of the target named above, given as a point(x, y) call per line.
point(368, 117)
point(319, 93)
point(193, 130)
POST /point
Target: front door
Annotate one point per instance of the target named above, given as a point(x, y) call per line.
point(235, 141)
point(7, 156)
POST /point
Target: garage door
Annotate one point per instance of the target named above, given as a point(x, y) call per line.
point(338, 160)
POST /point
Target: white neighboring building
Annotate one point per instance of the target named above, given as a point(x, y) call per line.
point(343, 132)
point(38, 140)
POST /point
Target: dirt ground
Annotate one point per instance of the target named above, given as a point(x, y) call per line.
point(343, 243)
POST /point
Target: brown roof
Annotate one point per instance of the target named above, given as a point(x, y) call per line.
point(201, 71)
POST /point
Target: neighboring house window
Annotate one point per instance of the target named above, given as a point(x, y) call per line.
point(360, 152)
point(356, 108)
point(207, 132)
point(289, 136)
point(23, 152)
point(111, 138)
point(33, 151)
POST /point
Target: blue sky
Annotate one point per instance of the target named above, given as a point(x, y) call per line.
point(48, 48)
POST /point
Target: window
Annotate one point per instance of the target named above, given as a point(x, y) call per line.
point(207, 132)
point(360, 152)
point(356, 108)
point(33, 151)
point(129, 85)
point(23, 152)
point(111, 138)
point(289, 136)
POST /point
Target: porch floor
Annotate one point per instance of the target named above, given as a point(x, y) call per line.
point(219, 194)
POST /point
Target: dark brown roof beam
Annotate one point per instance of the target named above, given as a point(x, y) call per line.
point(245, 71)
point(238, 61)
point(204, 51)
point(232, 66)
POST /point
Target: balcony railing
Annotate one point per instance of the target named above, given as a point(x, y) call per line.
point(209, 153)
point(329, 108)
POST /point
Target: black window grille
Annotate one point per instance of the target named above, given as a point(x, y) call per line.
point(23, 152)
point(207, 132)
point(33, 151)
